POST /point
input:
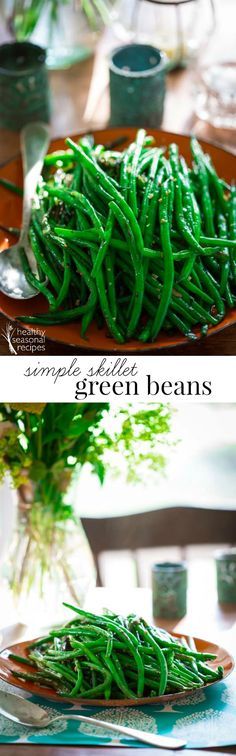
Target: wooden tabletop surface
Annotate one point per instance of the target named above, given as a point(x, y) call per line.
point(80, 101)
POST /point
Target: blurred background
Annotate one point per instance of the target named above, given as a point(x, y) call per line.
point(183, 510)
point(201, 468)
point(197, 36)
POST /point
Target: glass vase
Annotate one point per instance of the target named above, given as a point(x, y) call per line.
point(178, 28)
point(68, 37)
point(50, 562)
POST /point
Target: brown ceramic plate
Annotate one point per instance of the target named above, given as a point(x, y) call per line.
point(8, 666)
point(99, 339)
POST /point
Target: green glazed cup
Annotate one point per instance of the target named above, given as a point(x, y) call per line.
point(226, 577)
point(169, 590)
point(137, 86)
point(24, 88)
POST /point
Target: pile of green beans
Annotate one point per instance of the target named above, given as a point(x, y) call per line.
point(135, 239)
point(113, 657)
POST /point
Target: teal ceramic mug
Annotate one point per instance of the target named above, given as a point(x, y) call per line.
point(24, 88)
point(226, 576)
point(169, 590)
point(137, 86)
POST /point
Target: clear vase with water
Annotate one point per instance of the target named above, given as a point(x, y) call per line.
point(178, 28)
point(214, 91)
point(50, 562)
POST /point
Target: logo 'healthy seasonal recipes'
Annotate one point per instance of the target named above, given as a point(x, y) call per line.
point(22, 341)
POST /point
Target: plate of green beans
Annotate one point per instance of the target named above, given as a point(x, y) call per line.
point(134, 235)
point(113, 660)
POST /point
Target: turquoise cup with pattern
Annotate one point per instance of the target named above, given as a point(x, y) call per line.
point(24, 87)
point(169, 590)
point(226, 577)
point(137, 86)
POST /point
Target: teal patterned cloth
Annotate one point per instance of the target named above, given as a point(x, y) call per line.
point(205, 719)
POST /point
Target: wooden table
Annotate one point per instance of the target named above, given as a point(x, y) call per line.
point(209, 621)
point(80, 101)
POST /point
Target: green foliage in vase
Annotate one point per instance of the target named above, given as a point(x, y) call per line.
point(25, 14)
point(45, 444)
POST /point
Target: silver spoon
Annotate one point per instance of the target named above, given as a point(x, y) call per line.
point(34, 146)
point(24, 712)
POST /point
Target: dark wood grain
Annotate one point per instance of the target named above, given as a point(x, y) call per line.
point(167, 526)
point(223, 343)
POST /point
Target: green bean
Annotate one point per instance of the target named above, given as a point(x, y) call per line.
point(59, 157)
point(225, 260)
point(39, 642)
point(75, 690)
point(217, 242)
point(187, 268)
point(152, 210)
point(62, 316)
point(85, 237)
point(168, 264)
point(87, 319)
point(124, 171)
point(182, 326)
point(182, 225)
point(132, 193)
point(144, 632)
point(60, 668)
point(39, 679)
point(149, 189)
point(98, 689)
point(110, 319)
point(42, 261)
point(209, 282)
point(118, 678)
point(204, 186)
point(11, 186)
point(66, 282)
point(232, 230)
point(34, 281)
point(199, 292)
point(21, 659)
point(104, 245)
point(138, 270)
point(167, 171)
point(187, 196)
point(216, 183)
point(232, 213)
point(144, 162)
point(110, 281)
